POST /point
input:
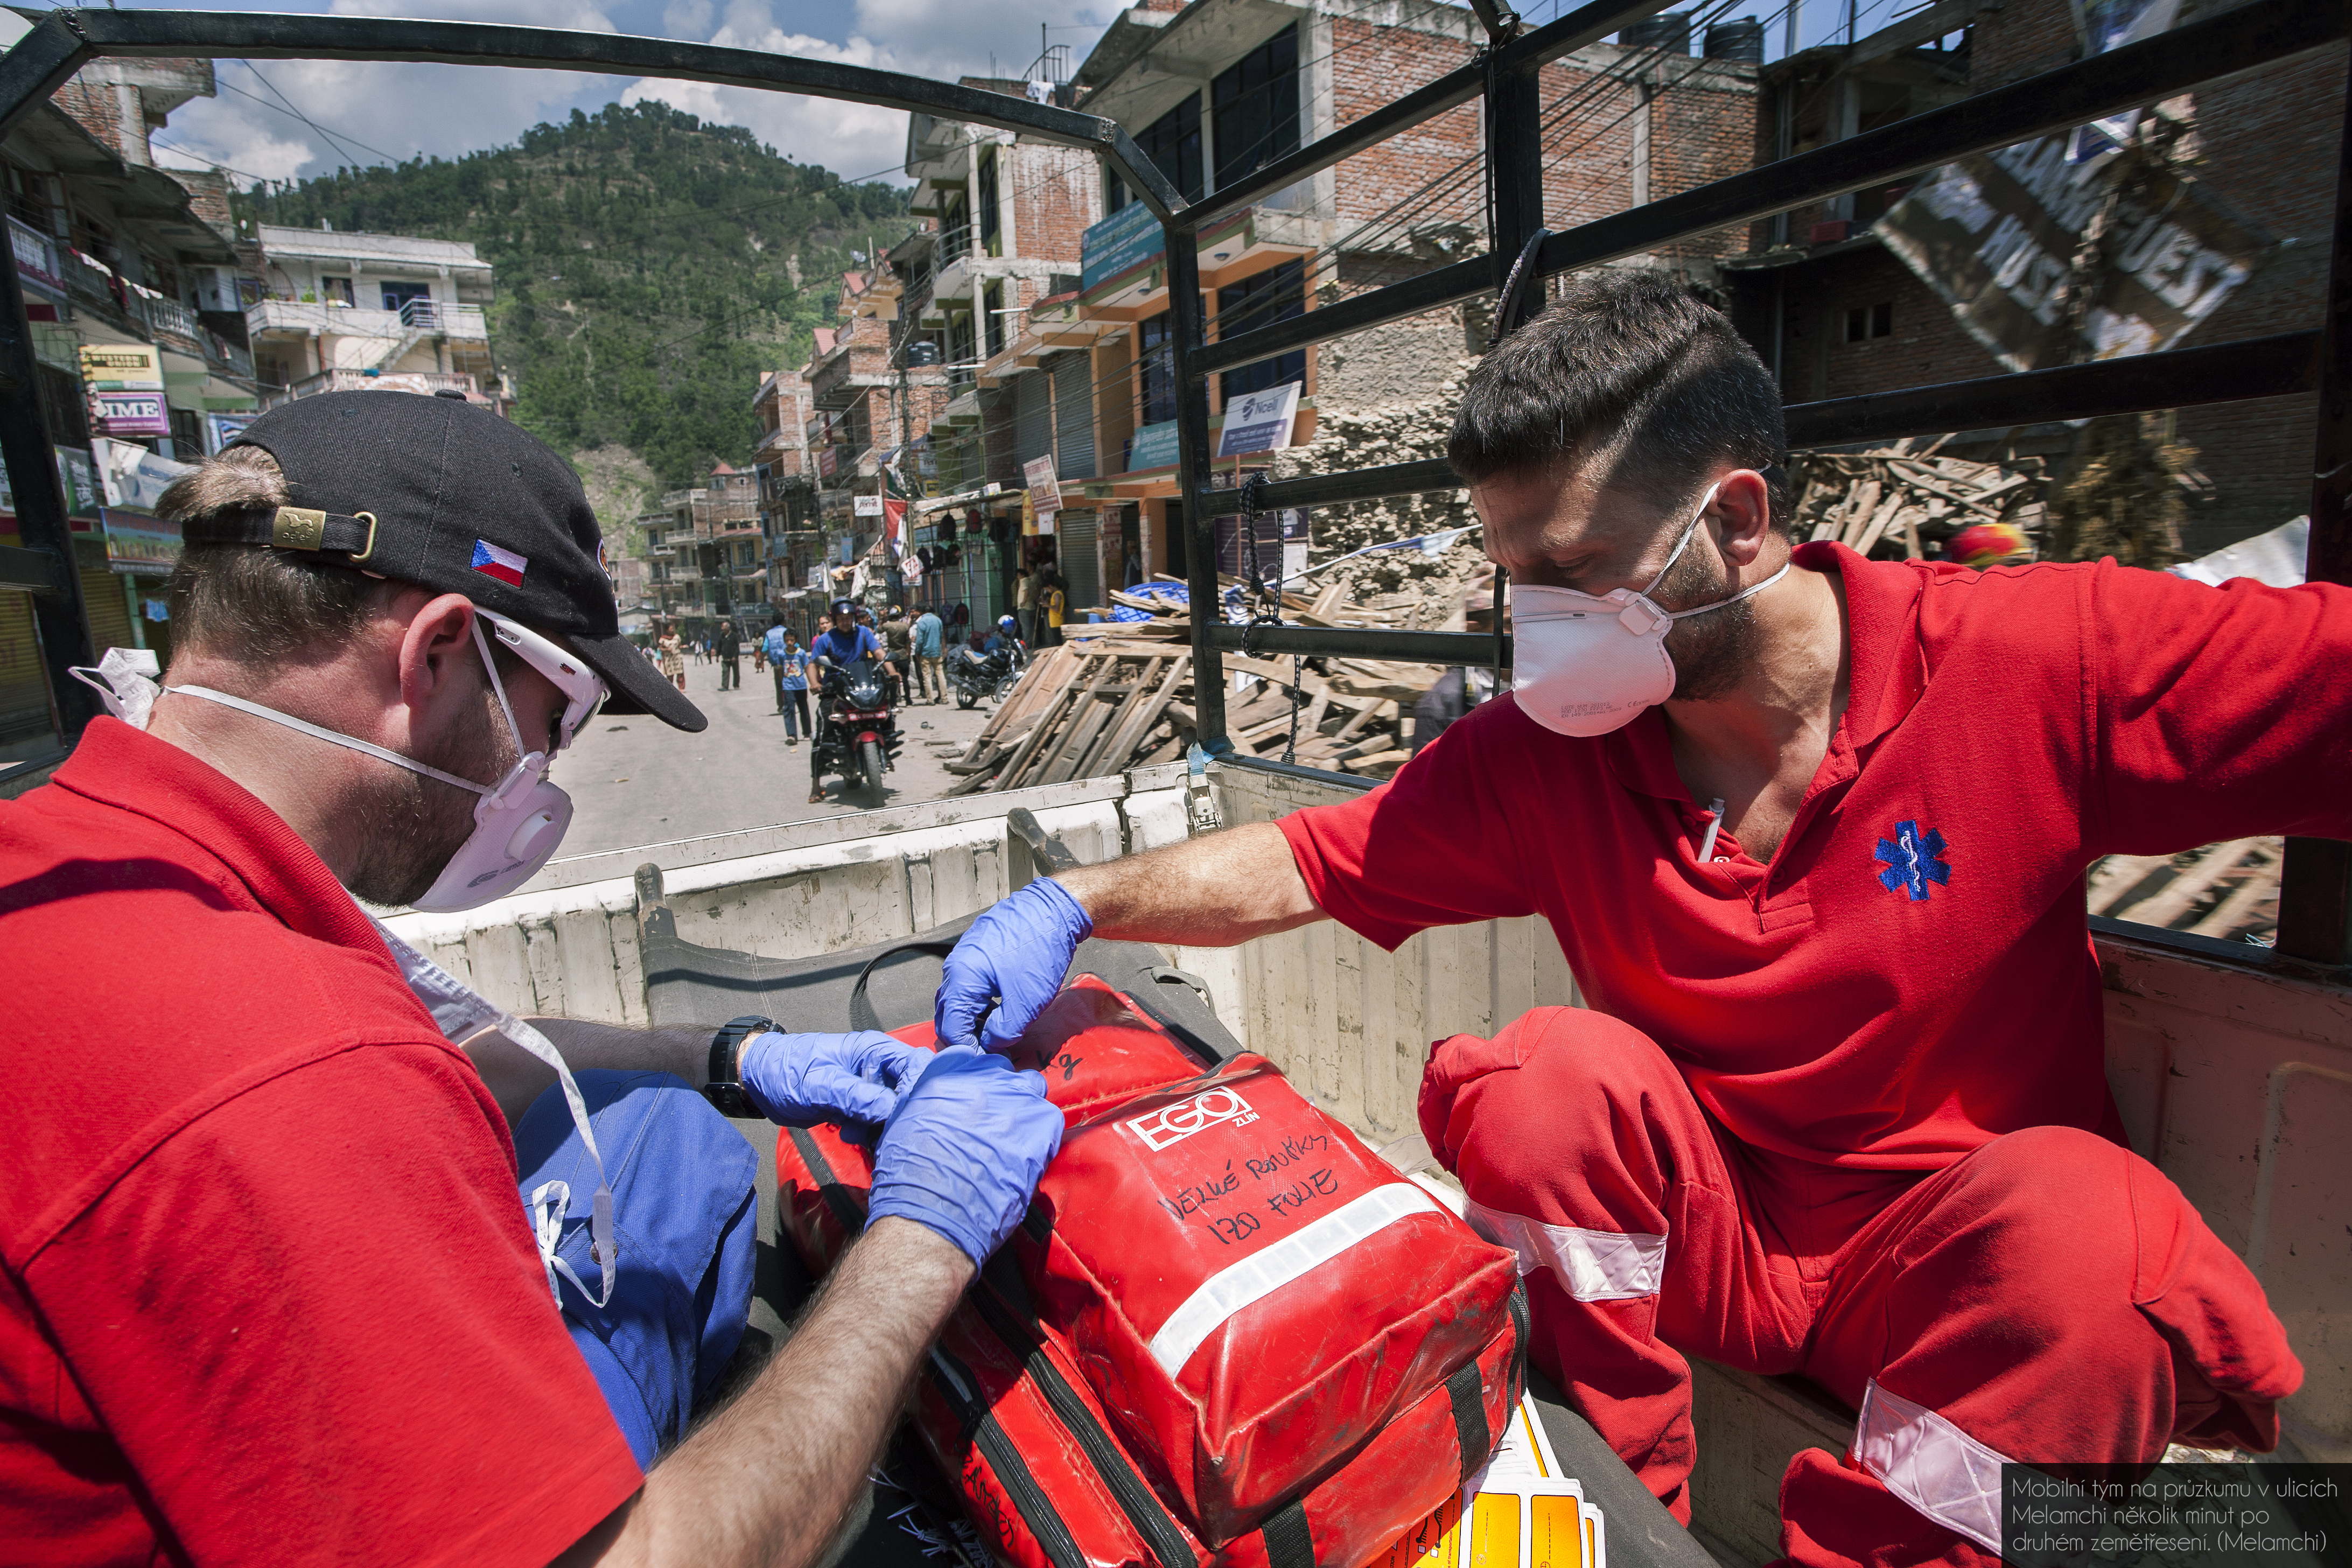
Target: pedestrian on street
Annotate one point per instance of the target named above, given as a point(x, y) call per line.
point(897, 641)
point(791, 663)
point(928, 640)
point(730, 656)
point(673, 656)
point(1024, 604)
point(1053, 605)
point(771, 648)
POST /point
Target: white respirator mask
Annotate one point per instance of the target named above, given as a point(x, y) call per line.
point(518, 821)
point(1585, 664)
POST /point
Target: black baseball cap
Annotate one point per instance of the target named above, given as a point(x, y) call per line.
point(447, 495)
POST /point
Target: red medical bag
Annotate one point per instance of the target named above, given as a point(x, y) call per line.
point(1226, 1332)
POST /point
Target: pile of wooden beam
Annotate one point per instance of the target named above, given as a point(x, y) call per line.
point(1907, 500)
point(2228, 890)
point(1119, 695)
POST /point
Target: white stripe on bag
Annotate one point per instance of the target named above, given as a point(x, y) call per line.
point(1932, 1465)
point(1590, 1265)
point(1230, 1289)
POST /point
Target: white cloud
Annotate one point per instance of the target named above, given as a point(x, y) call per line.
point(370, 110)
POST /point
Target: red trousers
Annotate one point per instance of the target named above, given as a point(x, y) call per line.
point(2047, 1297)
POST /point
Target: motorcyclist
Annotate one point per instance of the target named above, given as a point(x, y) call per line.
point(1004, 640)
point(842, 644)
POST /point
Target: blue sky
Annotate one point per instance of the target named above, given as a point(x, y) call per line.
point(292, 118)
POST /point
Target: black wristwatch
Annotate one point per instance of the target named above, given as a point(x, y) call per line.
point(725, 1091)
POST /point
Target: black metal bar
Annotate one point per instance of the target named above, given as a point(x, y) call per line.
point(39, 63)
point(140, 35)
point(1500, 22)
point(2316, 883)
point(32, 571)
point(1361, 484)
point(59, 616)
point(2177, 378)
point(1353, 642)
point(2277, 366)
point(1587, 25)
point(1515, 164)
point(1189, 323)
point(1456, 86)
point(1436, 288)
point(2239, 39)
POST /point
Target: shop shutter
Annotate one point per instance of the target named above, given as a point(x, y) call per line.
point(110, 619)
point(1074, 416)
point(1033, 416)
point(1076, 554)
point(23, 691)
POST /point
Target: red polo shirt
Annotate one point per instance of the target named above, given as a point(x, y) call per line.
point(1909, 976)
point(267, 1292)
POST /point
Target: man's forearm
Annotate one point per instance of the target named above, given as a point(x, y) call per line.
point(515, 1077)
point(769, 1480)
point(1211, 891)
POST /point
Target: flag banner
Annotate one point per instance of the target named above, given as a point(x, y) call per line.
point(1997, 236)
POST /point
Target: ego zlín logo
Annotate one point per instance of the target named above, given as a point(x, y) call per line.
point(1174, 1123)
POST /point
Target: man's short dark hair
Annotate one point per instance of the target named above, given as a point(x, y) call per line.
point(248, 603)
point(1627, 370)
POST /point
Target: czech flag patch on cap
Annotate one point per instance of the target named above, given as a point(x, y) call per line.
point(503, 565)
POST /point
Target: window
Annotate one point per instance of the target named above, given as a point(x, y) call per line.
point(1155, 341)
point(960, 349)
point(991, 240)
point(397, 295)
point(1256, 107)
point(1866, 321)
point(955, 227)
point(991, 322)
point(1275, 295)
point(1173, 143)
point(336, 291)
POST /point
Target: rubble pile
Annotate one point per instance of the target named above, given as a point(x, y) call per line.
point(1907, 500)
point(1120, 695)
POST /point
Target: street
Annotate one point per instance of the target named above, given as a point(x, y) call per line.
point(637, 783)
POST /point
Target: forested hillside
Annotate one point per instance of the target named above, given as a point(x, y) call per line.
point(649, 268)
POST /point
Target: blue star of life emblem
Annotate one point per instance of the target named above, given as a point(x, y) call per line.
point(1913, 860)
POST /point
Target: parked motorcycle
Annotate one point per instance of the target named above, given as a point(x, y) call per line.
point(990, 675)
point(857, 729)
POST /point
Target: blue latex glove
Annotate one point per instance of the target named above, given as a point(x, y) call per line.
point(964, 1152)
point(802, 1079)
point(1015, 954)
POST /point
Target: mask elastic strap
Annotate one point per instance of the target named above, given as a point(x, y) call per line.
point(1743, 593)
point(1690, 530)
point(496, 685)
point(330, 736)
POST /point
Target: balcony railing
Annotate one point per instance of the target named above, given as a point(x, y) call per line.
point(465, 322)
point(171, 316)
point(423, 380)
point(36, 256)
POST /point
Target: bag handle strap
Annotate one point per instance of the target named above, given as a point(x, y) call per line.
point(862, 1014)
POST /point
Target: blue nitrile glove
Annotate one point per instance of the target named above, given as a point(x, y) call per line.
point(1015, 955)
point(964, 1152)
point(802, 1079)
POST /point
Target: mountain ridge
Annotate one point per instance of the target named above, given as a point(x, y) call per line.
point(648, 270)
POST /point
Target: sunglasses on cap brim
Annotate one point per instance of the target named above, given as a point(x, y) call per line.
point(584, 691)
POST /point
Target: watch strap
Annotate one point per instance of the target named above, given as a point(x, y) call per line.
point(725, 1091)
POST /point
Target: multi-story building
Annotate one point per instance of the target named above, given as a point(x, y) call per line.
point(338, 311)
point(130, 277)
point(1838, 315)
point(704, 552)
point(1050, 279)
point(783, 471)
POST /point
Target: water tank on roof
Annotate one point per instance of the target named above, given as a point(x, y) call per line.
point(1740, 40)
point(1670, 33)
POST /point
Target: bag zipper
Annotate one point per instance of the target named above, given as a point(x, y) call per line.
point(1021, 1488)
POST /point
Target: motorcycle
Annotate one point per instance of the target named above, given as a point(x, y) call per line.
point(856, 731)
point(990, 675)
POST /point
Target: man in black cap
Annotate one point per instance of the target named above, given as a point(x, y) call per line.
point(293, 1214)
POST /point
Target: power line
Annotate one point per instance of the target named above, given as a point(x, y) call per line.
point(341, 144)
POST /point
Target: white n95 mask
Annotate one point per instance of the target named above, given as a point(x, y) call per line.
point(518, 821)
point(1585, 664)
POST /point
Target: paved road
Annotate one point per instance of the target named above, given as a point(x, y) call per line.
point(635, 781)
